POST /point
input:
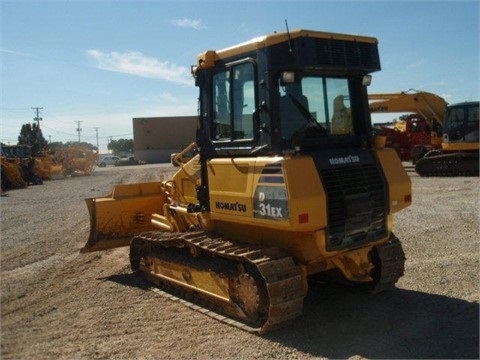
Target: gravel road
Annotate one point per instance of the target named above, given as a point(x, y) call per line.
point(59, 304)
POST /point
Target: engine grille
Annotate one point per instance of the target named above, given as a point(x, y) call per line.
point(347, 53)
point(328, 53)
point(356, 205)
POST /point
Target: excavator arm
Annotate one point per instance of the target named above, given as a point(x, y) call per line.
point(430, 106)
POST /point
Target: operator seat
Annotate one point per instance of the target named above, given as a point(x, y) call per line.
point(341, 119)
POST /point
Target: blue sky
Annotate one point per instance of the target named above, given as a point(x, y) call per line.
point(104, 62)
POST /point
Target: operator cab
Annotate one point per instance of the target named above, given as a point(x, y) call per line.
point(285, 93)
point(461, 122)
point(310, 110)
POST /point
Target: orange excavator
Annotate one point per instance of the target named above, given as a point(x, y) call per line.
point(420, 131)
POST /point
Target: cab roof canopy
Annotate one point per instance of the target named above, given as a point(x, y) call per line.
point(360, 49)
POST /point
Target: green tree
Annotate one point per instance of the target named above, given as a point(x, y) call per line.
point(57, 145)
point(80, 144)
point(121, 146)
point(31, 134)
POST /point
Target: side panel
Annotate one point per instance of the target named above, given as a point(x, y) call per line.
point(230, 188)
point(269, 192)
point(308, 201)
point(273, 201)
point(399, 183)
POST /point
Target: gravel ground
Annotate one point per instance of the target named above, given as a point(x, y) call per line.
point(59, 304)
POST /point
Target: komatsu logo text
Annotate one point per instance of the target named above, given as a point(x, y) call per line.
point(236, 206)
point(378, 108)
point(350, 159)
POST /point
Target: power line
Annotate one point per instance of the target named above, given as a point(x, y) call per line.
point(112, 136)
point(58, 131)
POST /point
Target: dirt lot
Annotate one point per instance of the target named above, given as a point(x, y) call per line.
point(58, 303)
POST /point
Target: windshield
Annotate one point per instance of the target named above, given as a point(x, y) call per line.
point(461, 123)
point(316, 105)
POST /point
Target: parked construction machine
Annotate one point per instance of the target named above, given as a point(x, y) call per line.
point(286, 185)
point(11, 175)
point(459, 152)
point(418, 132)
point(76, 160)
point(21, 157)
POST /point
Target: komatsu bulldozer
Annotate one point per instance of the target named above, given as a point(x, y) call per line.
point(286, 184)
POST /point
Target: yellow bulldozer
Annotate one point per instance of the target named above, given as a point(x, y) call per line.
point(11, 175)
point(287, 184)
point(34, 168)
point(19, 166)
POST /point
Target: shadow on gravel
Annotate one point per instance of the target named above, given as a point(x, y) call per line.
point(341, 322)
point(129, 279)
point(338, 322)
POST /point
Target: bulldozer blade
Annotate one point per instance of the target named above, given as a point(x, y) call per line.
point(126, 212)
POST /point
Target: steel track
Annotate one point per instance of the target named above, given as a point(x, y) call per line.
point(275, 272)
point(457, 164)
point(280, 280)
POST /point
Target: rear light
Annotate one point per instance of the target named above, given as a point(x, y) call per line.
point(303, 218)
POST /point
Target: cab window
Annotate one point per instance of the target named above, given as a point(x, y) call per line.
point(234, 103)
point(314, 101)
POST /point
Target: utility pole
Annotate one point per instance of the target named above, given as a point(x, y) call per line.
point(109, 140)
point(96, 132)
point(79, 129)
point(37, 119)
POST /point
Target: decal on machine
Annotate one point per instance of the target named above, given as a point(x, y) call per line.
point(270, 202)
point(231, 206)
point(350, 159)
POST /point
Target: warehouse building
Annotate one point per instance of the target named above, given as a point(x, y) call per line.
point(156, 138)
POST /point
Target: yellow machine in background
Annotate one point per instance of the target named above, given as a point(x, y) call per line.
point(11, 176)
point(421, 130)
point(430, 106)
point(23, 165)
point(47, 167)
point(459, 153)
point(34, 168)
point(287, 184)
point(76, 160)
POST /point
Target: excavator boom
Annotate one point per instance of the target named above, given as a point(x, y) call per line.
point(430, 106)
point(419, 131)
